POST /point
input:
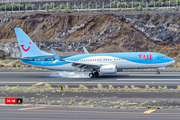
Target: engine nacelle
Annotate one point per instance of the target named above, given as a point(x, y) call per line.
point(108, 69)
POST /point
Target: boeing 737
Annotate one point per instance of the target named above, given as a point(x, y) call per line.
point(105, 63)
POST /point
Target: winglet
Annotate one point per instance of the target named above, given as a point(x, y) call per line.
point(85, 51)
point(57, 58)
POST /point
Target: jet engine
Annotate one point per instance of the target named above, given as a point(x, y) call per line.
point(108, 69)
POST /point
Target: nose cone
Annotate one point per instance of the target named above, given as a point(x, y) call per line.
point(172, 61)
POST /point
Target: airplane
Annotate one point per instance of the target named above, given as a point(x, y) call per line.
point(105, 63)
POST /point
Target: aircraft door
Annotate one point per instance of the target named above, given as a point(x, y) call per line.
point(43, 62)
point(154, 58)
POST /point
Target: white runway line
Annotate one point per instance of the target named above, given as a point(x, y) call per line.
point(154, 75)
point(150, 79)
point(88, 82)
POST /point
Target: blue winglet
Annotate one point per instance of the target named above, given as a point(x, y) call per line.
point(85, 51)
point(55, 55)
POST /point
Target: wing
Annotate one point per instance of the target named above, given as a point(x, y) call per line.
point(78, 64)
point(84, 66)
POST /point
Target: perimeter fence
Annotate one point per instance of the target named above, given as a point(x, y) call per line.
point(68, 5)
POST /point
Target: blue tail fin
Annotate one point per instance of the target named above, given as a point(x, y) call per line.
point(27, 47)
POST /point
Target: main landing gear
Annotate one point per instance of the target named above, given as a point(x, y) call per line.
point(95, 74)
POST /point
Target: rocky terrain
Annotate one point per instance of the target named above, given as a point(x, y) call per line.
point(98, 32)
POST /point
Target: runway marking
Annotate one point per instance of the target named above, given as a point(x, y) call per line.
point(150, 111)
point(31, 108)
point(154, 75)
point(149, 79)
point(75, 111)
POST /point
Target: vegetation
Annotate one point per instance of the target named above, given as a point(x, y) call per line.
point(67, 7)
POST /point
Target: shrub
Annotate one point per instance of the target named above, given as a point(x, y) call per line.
point(33, 101)
point(159, 87)
point(178, 87)
point(8, 88)
point(14, 65)
point(15, 88)
point(171, 107)
point(133, 87)
point(82, 87)
point(66, 87)
point(153, 88)
point(100, 86)
point(18, 65)
point(111, 87)
point(148, 106)
point(47, 85)
point(126, 87)
point(158, 107)
point(147, 87)
point(165, 87)
point(95, 105)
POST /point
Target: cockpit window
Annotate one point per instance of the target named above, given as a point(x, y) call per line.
point(163, 57)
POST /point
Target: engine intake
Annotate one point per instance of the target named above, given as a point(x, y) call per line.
point(108, 69)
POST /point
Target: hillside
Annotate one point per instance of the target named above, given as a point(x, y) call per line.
point(115, 32)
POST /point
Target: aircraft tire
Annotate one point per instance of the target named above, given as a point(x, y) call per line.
point(158, 73)
point(91, 75)
point(96, 74)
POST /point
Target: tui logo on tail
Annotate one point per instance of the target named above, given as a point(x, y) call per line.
point(27, 48)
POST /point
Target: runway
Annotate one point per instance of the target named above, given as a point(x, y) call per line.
point(139, 79)
point(55, 112)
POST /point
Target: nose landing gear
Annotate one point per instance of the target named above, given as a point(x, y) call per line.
point(158, 72)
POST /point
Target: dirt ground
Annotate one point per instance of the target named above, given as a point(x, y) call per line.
point(136, 98)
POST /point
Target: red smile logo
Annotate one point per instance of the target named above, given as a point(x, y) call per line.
point(27, 48)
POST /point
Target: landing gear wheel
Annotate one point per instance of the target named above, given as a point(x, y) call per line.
point(158, 73)
point(96, 74)
point(91, 75)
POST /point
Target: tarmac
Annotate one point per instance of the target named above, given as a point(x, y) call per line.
point(25, 112)
point(139, 79)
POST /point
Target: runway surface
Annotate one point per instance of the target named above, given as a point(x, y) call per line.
point(139, 79)
point(19, 112)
